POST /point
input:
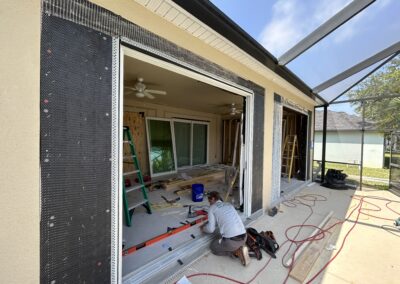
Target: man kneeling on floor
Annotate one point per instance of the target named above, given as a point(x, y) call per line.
point(233, 233)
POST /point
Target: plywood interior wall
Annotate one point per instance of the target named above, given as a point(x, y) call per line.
point(294, 123)
point(137, 125)
point(229, 136)
point(289, 122)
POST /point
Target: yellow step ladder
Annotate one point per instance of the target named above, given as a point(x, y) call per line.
point(290, 152)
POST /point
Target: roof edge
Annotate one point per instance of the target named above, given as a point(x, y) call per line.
point(212, 16)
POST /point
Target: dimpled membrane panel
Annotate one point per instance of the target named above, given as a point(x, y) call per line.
point(88, 14)
point(75, 153)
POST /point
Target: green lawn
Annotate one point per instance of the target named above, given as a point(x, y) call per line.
point(355, 171)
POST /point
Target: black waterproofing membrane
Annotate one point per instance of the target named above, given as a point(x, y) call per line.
point(75, 153)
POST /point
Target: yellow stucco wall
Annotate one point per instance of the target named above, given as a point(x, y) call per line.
point(19, 143)
point(139, 15)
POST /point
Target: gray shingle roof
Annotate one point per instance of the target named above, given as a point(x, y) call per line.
point(342, 121)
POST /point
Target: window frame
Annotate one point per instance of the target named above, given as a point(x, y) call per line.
point(152, 174)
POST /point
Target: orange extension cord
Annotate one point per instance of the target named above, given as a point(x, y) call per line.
point(314, 198)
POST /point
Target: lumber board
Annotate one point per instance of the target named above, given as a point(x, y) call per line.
point(303, 247)
point(325, 255)
point(307, 259)
point(206, 178)
point(165, 205)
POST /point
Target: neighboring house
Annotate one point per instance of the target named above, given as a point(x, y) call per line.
point(63, 71)
point(343, 140)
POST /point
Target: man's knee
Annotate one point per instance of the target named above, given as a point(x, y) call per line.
point(214, 246)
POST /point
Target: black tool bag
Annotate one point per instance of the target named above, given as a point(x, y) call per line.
point(335, 179)
point(254, 248)
point(265, 240)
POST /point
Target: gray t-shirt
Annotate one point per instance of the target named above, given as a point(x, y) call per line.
point(224, 216)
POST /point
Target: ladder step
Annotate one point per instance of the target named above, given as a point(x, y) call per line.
point(127, 141)
point(132, 188)
point(137, 204)
point(131, 173)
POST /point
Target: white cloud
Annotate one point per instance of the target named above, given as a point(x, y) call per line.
point(284, 29)
point(292, 20)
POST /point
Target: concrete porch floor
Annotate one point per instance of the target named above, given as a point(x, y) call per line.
point(370, 254)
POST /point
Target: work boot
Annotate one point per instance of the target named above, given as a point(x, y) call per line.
point(243, 254)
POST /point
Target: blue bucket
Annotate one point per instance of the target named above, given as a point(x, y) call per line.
point(197, 192)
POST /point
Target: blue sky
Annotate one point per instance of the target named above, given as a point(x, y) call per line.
point(279, 24)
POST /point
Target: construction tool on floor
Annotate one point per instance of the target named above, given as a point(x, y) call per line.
point(290, 153)
point(130, 200)
point(172, 201)
point(195, 213)
point(164, 236)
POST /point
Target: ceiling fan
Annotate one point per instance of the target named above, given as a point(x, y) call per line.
point(141, 91)
point(233, 109)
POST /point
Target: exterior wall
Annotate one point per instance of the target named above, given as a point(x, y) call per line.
point(19, 94)
point(162, 111)
point(345, 147)
point(139, 15)
point(19, 144)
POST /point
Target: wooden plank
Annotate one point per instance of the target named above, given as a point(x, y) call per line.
point(325, 255)
point(306, 261)
point(206, 178)
point(303, 247)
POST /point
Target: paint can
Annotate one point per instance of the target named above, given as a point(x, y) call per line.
point(197, 192)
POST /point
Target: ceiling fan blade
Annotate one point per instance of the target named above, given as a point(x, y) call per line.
point(140, 95)
point(157, 92)
point(150, 96)
point(129, 88)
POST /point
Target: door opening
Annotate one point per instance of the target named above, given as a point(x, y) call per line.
point(188, 130)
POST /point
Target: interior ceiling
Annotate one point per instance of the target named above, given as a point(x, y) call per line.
point(182, 91)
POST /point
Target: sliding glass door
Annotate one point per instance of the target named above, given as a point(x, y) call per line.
point(191, 140)
point(176, 143)
point(183, 136)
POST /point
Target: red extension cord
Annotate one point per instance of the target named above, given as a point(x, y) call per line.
point(313, 199)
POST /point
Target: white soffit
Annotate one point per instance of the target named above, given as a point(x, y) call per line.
point(176, 15)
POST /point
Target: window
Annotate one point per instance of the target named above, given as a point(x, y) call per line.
point(191, 139)
point(161, 149)
point(176, 143)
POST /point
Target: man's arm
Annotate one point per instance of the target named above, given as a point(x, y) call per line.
point(210, 226)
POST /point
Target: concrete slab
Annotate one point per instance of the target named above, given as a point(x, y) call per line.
point(369, 255)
